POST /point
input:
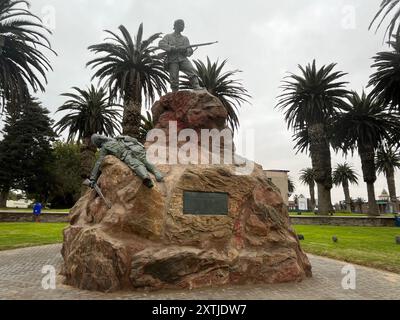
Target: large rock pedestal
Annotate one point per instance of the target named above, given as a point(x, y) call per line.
point(145, 241)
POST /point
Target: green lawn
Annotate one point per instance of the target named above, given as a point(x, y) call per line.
point(373, 247)
point(21, 235)
point(339, 214)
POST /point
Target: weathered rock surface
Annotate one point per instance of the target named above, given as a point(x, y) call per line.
point(145, 241)
point(190, 109)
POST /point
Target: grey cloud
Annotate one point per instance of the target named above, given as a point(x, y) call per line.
point(265, 39)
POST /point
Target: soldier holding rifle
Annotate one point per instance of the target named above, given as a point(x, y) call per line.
point(178, 49)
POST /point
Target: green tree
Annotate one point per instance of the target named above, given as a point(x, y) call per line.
point(26, 153)
point(67, 181)
point(387, 161)
point(310, 101)
point(222, 85)
point(131, 70)
point(89, 112)
point(386, 7)
point(307, 177)
point(364, 125)
point(22, 63)
point(344, 175)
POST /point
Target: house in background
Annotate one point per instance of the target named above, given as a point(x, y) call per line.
point(280, 178)
point(19, 204)
point(302, 203)
point(384, 203)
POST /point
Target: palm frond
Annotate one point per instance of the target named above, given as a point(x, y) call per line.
point(89, 112)
point(223, 85)
point(23, 66)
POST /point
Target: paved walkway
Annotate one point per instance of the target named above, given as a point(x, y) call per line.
point(21, 278)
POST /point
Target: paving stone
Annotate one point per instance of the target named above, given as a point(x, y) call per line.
point(21, 277)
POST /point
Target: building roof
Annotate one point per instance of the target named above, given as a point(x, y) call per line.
point(283, 171)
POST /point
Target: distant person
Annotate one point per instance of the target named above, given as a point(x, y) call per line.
point(37, 211)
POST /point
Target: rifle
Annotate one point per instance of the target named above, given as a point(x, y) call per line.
point(87, 183)
point(198, 45)
point(189, 47)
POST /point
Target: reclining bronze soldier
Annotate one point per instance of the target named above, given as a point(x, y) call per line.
point(131, 152)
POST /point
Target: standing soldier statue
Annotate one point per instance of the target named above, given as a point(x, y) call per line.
point(178, 49)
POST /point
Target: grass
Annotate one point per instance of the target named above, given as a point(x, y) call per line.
point(21, 235)
point(372, 247)
point(30, 210)
point(338, 214)
point(368, 246)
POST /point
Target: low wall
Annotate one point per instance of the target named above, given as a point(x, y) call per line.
point(344, 221)
point(54, 217)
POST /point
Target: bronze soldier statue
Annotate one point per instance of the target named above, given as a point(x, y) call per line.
point(131, 152)
point(178, 49)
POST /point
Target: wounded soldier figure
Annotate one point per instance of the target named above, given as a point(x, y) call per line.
point(131, 152)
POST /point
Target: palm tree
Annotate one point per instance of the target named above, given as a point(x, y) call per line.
point(365, 124)
point(307, 177)
point(309, 102)
point(385, 8)
point(359, 202)
point(22, 64)
point(222, 85)
point(291, 186)
point(132, 70)
point(344, 175)
point(146, 125)
point(385, 82)
point(387, 161)
point(89, 112)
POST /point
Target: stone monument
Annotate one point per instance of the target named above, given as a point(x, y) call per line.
point(204, 225)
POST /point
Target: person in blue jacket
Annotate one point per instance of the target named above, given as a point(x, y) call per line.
point(37, 211)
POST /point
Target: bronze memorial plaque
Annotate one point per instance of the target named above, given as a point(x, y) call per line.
point(205, 203)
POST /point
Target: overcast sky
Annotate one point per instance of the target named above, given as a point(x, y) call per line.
point(265, 39)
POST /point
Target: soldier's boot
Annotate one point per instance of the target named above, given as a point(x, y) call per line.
point(159, 176)
point(194, 82)
point(148, 183)
point(144, 175)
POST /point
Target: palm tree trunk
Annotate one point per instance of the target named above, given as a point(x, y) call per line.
point(392, 189)
point(373, 209)
point(132, 114)
point(367, 155)
point(324, 200)
point(4, 196)
point(347, 197)
point(360, 206)
point(321, 161)
point(312, 195)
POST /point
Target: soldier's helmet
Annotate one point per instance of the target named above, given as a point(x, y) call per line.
point(98, 140)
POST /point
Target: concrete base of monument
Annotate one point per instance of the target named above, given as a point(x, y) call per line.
point(148, 240)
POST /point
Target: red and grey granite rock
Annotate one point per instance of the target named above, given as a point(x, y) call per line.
point(145, 241)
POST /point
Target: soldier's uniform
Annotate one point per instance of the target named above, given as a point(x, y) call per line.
point(128, 150)
point(177, 61)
